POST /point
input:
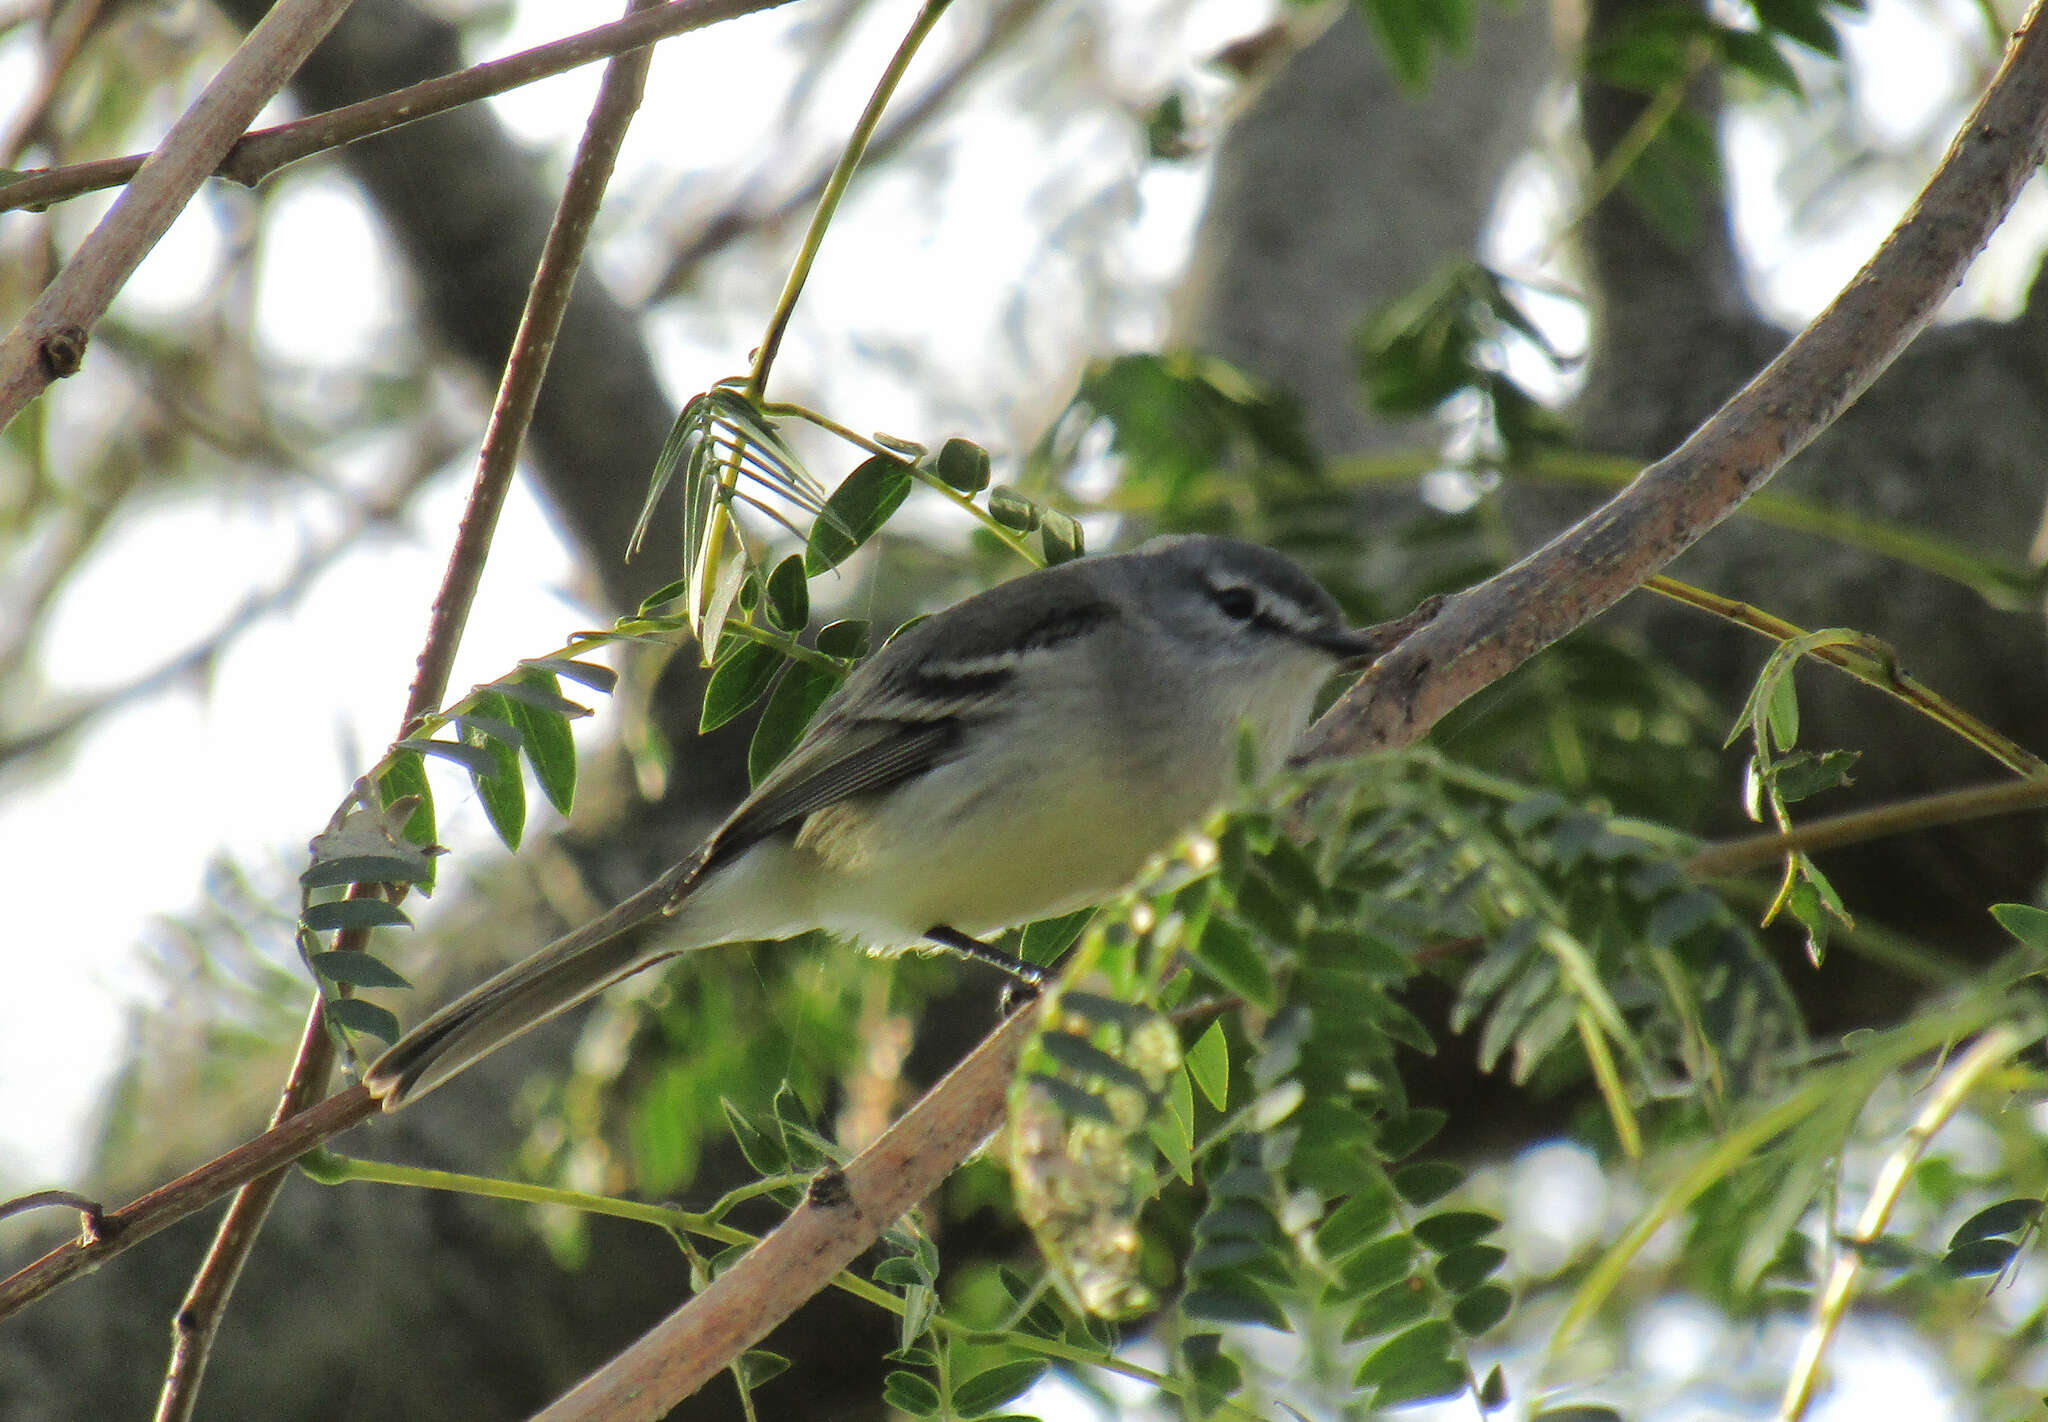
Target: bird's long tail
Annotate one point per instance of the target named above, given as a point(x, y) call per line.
point(528, 993)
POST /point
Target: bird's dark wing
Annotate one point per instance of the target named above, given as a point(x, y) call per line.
point(859, 758)
point(906, 709)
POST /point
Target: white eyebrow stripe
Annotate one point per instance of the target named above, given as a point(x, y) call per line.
point(1288, 613)
point(978, 666)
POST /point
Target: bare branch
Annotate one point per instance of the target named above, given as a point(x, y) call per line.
point(49, 341)
point(68, 33)
point(188, 1194)
point(257, 155)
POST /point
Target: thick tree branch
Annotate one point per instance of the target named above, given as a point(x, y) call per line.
point(1488, 631)
point(845, 1214)
point(49, 341)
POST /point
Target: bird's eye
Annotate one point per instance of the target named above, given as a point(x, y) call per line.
point(1236, 602)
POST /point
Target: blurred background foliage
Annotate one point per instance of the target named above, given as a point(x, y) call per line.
point(1472, 1088)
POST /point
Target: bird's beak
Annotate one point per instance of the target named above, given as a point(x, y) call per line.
point(1353, 647)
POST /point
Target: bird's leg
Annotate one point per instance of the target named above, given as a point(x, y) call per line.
point(1029, 975)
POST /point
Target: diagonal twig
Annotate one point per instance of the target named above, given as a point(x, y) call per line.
point(49, 341)
point(198, 1319)
point(255, 156)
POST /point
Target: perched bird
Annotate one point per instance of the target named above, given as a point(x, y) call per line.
point(1020, 755)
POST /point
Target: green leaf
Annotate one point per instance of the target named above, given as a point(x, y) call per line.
point(2024, 922)
point(354, 913)
point(1355, 1222)
point(763, 1151)
point(1106, 1010)
point(1013, 510)
point(1236, 1299)
point(789, 595)
point(1385, 1262)
point(737, 682)
point(1402, 1136)
point(2005, 1217)
point(1481, 1309)
point(1980, 1256)
point(1756, 56)
point(1420, 1346)
point(483, 728)
point(794, 702)
point(550, 748)
point(407, 775)
point(901, 1272)
point(368, 869)
point(1428, 1181)
point(666, 593)
point(472, 758)
point(541, 696)
point(591, 674)
point(1463, 1270)
point(847, 638)
point(1084, 1059)
point(963, 465)
point(910, 1393)
point(360, 1016)
point(1208, 1062)
point(360, 970)
point(856, 511)
point(1071, 1100)
point(1425, 1381)
point(758, 1365)
point(500, 788)
point(991, 1388)
point(1454, 1229)
point(1493, 1393)
point(1395, 1306)
point(1227, 954)
point(1059, 537)
point(1045, 940)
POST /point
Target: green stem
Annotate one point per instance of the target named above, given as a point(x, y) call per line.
point(835, 189)
point(329, 1168)
point(787, 645)
point(1991, 1050)
point(1885, 1052)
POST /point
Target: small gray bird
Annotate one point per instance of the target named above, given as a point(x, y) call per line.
point(1020, 755)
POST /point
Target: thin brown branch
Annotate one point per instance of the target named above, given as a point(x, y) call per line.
point(1977, 802)
point(256, 156)
point(91, 1213)
point(845, 1214)
point(199, 1316)
point(618, 99)
point(49, 341)
point(619, 96)
point(189, 1193)
point(68, 33)
point(1487, 631)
